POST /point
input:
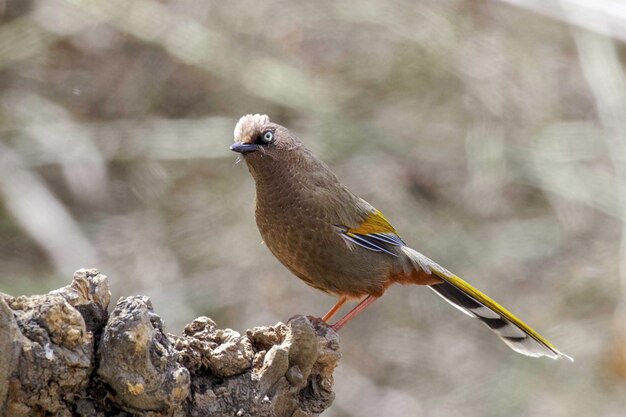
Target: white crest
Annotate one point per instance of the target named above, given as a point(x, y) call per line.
point(248, 126)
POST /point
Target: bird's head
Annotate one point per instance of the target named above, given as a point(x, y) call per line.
point(256, 135)
point(269, 149)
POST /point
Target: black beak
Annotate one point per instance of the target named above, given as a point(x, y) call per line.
point(243, 147)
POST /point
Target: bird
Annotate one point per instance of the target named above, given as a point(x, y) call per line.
point(340, 244)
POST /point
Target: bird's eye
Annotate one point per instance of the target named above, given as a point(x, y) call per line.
point(268, 137)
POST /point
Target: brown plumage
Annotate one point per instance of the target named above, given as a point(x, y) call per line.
point(340, 244)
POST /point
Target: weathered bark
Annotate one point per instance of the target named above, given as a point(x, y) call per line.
point(62, 354)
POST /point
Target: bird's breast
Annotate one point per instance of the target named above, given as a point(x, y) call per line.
point(295, 232)
point(301, 234)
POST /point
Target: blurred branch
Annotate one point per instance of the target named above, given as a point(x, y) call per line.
point(42, 215)
point(417, 22)
point(606, 17)
point(127, 140)
point(551, 172)
point(604, 72)
point(21, 39)
point(197, 45)
point(31, 35)
point(61, 140)
point(164, 139)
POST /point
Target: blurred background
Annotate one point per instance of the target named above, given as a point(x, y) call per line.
point(491, 133)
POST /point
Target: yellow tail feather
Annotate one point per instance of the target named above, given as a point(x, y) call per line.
point(513, 331)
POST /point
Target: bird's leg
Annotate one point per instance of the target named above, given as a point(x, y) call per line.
point(336, 307)
point(354, 312)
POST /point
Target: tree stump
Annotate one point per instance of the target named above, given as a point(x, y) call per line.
point(63, 354)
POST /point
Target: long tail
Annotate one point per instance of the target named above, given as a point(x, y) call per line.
point(514, 332)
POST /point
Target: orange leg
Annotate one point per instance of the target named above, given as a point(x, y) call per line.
point(342, 300)
point(354, 312)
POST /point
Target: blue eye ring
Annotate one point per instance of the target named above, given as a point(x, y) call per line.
point(268, 136)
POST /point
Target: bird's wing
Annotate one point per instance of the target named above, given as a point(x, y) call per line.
point(374, 233)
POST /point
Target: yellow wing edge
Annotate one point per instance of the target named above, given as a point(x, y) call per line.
point(374, 223)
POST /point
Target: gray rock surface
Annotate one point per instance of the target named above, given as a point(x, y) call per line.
point(62, 354)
